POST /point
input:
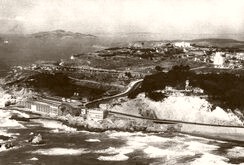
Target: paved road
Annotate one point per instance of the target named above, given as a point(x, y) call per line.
point(200, 67)
point(132, 86)
point(98, 83)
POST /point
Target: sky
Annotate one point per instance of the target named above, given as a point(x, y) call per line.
point(123, 16)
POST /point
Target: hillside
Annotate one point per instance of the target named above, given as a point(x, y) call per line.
point(218, 42)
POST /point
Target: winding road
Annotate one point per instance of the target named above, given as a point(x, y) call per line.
point(132, 86)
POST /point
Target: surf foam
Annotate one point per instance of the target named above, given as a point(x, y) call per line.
point(118, 157)
point(60, 151)
point(184, 108)
point(92, 140)
point(6, 122)
point(57, 126)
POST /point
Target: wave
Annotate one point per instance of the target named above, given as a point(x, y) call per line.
point(168, 150)
point(56, 126)
point(236, 152)
point(118, 157)
point(93, 140)
point(34, 159)
point(60, 151)
point(3, 148)
point(183, 108)
point(13, 94)
point(210, 159)
point(6, 122)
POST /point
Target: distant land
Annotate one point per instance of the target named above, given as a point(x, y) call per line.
point(19, 49)
point(164, 36)
point(219, 42)
point(60, 34)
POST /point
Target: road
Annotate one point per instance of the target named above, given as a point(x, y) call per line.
point(200, 67)
point(132, 86)
point(97, 83)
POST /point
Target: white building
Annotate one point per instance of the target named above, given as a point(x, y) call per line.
point(218, 60)
point(182, 44)
point(240, 56)
point(96, 115)
point(72, 57)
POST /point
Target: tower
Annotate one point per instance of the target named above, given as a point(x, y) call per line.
point(187, 84)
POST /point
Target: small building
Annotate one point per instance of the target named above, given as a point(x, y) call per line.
point(96, 115)
point(183, 44)
point(168, 88)
point(76, 56)
point(187, 86)
point(197, 90)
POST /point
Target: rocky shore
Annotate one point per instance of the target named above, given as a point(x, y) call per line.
point(111, 122)
point(114, 123)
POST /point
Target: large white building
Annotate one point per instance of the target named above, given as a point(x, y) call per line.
point(182, 44)
point(218, 60)
point(240, 55)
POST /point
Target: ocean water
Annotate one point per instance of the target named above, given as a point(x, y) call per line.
point(65, 145)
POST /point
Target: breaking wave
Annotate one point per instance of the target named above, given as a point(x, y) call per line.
point(60, 151)
point(56, 126)
point(165, 150)
point(236, 152)
point(210, 159)
point(93, 140)
point(183, 108)
point(6, 122)
point(118, 157)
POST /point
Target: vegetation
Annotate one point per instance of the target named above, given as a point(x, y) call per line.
point(59, 84)
point(224, 89)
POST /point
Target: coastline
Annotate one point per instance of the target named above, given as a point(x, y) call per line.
point(110, 123)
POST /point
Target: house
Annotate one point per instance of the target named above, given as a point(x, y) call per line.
point(182, 44)
point(75, 56)
point(197, 90)
point(97, 115)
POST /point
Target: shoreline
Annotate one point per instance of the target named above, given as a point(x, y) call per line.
point(123, 124)
point(108, 124)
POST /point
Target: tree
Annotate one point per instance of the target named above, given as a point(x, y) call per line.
point(158, 68)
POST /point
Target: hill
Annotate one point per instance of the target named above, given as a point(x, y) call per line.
point(218, 42)
point(50, 45)
point(60, 34)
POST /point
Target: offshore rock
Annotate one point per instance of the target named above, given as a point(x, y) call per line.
point(37, 139)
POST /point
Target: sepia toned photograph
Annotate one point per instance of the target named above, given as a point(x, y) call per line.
point(121, 82)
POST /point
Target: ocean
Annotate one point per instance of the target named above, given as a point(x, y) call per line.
point(65, 145)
